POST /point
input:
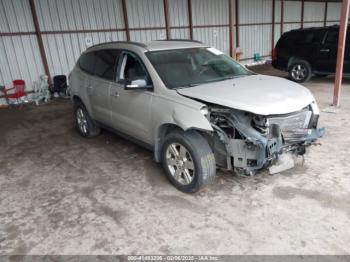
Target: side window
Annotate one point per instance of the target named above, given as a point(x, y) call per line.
point(131, 68)
point(106, 63)
point(332, 37)
point(304, 37)
point(87, 63)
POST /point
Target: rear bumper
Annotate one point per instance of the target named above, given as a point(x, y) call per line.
point(280, 64)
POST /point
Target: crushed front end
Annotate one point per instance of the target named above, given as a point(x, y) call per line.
point(248, 142)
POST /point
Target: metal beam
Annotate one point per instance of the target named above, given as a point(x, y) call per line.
point(340, 54)
point(325, 14)
point(302, 13)
point(190, 22)
point(231, 12)
point(126, 20)
point(237, 22)
point(167, 19)
point(282, 15)
point(40, 40)
point(273, 25)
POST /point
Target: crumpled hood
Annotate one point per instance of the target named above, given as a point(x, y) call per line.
point(258, 94)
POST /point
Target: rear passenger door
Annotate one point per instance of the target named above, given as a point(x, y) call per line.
point(87, 65)
point(327, 53)
point(100, 84)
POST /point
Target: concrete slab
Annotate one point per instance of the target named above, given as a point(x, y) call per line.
point(63, 194)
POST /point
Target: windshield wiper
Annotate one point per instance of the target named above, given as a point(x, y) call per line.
point(186, 86)
point(211, 81)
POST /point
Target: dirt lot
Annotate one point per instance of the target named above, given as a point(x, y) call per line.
point(63, 194)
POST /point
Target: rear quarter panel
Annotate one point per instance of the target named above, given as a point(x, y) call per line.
point(79, 81)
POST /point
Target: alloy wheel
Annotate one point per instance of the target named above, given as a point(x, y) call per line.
point(82, 121)
point(299, 72)
point(180, 163)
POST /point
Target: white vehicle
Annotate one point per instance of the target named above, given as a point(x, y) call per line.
point(194, 107)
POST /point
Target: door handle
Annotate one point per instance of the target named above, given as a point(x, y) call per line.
point(89, 89)
point(115, 94)
point(324, 50)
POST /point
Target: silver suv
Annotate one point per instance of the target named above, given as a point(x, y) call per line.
point(194, 107)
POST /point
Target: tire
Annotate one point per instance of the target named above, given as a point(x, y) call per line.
point(196, 154)
point(300, 71)
point(90, 129)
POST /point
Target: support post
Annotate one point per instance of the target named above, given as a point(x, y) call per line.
point(302, 13)
point(126, 20)
point(340, 54)
point(273, 25)
point(190, 22)
point(40, 40)
point(167, 19)
point(237, 22)
point(231, 12)
point(325, 14)
point(282, 15)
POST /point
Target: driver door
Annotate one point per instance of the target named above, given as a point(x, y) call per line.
point(131, 108)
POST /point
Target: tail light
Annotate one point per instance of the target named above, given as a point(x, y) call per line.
point(274, 54)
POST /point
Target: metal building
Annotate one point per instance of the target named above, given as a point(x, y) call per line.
point(47, 36)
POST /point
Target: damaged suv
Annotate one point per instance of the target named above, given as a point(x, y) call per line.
point(194, 107)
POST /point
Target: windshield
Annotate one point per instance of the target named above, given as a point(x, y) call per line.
point(182, 68)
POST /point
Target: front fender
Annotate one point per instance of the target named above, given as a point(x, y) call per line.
point(182, 117)
point(186, 120)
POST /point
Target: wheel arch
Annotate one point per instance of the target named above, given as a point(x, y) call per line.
point(76, 98)
point(163, 131)
point(294, 59)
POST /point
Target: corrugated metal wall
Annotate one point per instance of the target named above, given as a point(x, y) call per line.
point(202, 13)
point(67, 25)
point(255, 31)
point(333, 13)
point(178, 11)
point(19, 55)
point(72, 15)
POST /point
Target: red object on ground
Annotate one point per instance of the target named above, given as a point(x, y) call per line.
point(19, 87)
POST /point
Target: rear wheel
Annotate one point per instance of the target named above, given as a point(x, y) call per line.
point(85, 125)
point(299, 71)
point(188, 161)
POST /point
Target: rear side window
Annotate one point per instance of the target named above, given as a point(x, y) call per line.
point(87, 63)
point(332, 37)
point(302, 37)
point(306, 37)
point(106, 63)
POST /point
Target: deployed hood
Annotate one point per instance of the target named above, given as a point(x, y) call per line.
point(258, 94)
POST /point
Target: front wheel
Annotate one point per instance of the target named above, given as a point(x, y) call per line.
point(188, 161)
point(300, 71)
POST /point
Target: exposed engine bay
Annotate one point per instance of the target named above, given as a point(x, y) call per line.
point(247, 142)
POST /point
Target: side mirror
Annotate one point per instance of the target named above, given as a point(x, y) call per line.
point(137, 84)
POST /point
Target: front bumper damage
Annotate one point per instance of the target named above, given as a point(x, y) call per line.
point(274, 149)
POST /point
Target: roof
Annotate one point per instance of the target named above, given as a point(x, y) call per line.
point(153, 45)
point(172, 44)
point(313, 28)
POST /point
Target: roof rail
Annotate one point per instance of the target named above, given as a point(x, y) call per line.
point(120, 42)
point(182, 40)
